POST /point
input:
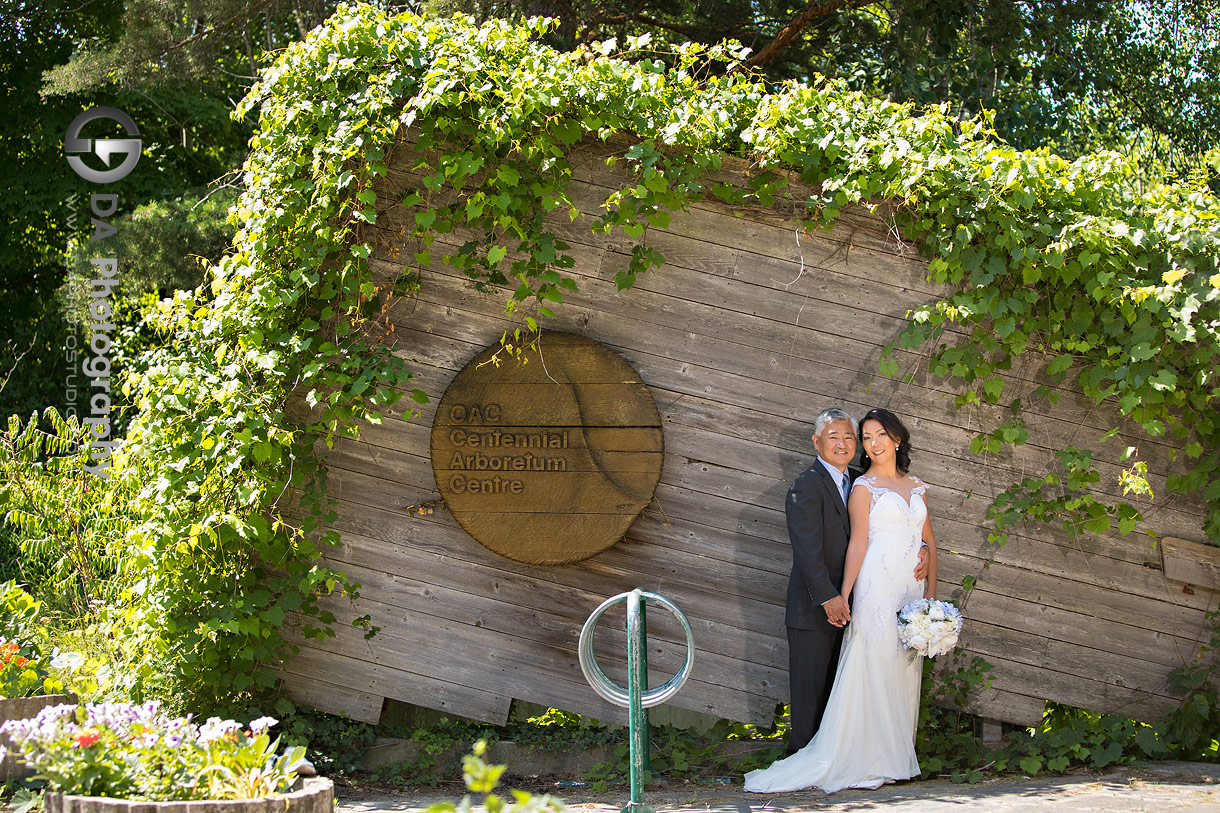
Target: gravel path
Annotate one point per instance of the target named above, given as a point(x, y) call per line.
point(1155, 787)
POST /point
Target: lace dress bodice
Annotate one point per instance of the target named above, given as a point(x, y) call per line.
point(886, 581)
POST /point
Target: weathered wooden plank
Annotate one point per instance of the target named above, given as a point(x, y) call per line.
point(473, 655)
point(332, 698)
point(1147, 613)
point(631, 564)
point(1146, 609)
point(1121, 678)
point(1161, 651)
point(727, 484)
point(359, 669)
point(539, 620)
point(1083, 410)
point(1010, 707)
point(1018, 707)
point(1076, 690)
point(1054, 432)
point(1190, 562)
point(1077, 564)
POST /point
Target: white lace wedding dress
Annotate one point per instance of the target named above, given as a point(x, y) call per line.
point(867, 735)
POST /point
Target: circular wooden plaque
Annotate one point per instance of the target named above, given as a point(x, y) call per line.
point(550, 460)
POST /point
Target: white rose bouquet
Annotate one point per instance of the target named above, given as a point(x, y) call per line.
point(929, 627)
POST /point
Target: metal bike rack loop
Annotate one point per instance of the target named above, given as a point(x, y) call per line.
point(636, 697)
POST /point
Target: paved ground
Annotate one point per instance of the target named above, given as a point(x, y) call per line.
point(1159, 786)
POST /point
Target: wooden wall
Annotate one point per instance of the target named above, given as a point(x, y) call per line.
point(748, 331)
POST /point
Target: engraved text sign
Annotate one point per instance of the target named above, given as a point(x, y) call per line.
point(548, 461)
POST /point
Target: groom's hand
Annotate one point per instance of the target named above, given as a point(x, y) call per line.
point(838, 611)
point(921, 567)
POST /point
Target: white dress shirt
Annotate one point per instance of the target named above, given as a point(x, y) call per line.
point(840, 478)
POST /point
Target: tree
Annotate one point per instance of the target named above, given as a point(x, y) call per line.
point(178, 69)
point(208, 44)
point(38, 197)
point(1153, 78)
point(1072, 75)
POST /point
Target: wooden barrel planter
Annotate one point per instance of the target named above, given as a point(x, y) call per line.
point(22, 708)
point(317, 795)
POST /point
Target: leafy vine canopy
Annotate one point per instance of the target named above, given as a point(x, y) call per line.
point(1066, 262)
point(1071, 261)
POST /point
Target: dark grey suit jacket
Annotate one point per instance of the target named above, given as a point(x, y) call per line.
point(819, 530)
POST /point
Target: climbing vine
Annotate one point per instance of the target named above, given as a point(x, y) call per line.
point(1061, 261)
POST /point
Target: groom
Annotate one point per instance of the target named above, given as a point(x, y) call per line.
point(819, 530)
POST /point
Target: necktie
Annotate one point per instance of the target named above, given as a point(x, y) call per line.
point(844, 484)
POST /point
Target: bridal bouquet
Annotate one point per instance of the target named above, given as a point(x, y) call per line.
point(929, 627)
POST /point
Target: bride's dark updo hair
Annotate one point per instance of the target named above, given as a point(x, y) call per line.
point(897, 432)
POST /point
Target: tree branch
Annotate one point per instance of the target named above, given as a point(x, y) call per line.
point(693, 31)
point(815, 9)
point(241, 15)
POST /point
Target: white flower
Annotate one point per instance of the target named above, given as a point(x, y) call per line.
point(67, 660)
point(215, 728)
point(262, 724)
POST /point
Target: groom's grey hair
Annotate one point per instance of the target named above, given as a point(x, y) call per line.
point(833, 414)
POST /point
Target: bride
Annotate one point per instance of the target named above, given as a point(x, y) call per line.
point(867, 735)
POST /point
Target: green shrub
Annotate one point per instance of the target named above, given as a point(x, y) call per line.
point(60, 516)
point(24, 668)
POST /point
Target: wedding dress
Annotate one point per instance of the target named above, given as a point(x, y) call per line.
point(867, 735)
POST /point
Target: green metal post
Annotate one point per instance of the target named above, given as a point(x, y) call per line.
point(636, 697)
point(637, 684)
